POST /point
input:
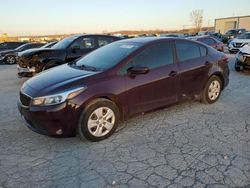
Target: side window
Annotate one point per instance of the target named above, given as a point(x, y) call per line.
point(189, 50)
point(203, 51)
point(102, 41)
point(155, 56)
point(208, 41)
point(85, 43)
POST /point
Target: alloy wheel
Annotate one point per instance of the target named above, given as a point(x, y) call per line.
point(11, 60)
point(214, 90)
point(101, 121)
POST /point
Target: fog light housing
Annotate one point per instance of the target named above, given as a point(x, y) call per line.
point(59, 132)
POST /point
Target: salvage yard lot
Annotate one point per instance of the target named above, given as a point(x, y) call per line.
point(188, 144)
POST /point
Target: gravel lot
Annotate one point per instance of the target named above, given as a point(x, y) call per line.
point(188, 144)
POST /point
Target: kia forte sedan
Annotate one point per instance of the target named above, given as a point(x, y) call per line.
point(125, 78)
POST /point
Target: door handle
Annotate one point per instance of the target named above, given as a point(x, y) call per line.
point(172, 73)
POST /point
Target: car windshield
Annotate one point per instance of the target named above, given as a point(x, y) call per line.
point(107, 56)
point(244, 36)
point(22, 46)
point(48, 45)
point(64, 43)
point(231, 32)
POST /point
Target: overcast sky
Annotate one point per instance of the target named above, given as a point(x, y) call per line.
point(39, 17)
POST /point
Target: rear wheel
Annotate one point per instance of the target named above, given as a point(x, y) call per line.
point(212, 90)
point(10, 60)
point(98, 120)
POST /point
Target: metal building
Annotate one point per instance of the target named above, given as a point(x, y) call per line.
point(222, 25)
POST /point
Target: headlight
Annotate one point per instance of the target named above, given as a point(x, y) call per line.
point(57, 98)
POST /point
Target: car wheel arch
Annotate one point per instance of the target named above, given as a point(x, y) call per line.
point(219, 75)
point(107, 97)
point(46, 62)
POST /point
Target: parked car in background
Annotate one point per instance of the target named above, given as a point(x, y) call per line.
point(64, 51)
point(49, 44)
point(239, 42)
point(243, 58)
point(178, 35)
point(10, 45)
point(204, 33)
point(231, 34)
point(210, 41)
point(115, 82)
point(9, 56)
point(218, 36)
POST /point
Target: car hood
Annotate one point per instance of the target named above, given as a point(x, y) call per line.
point(241, 40)
point(38, 51)
point(245, 49)
point(56, 79)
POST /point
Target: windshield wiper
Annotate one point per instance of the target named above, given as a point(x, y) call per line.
point(89, 68)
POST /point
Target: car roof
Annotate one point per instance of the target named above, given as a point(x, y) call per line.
point(82, 35)
point(145, 40)
point(198, 37)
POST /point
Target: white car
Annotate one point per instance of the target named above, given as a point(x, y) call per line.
point(239, 42)
point(243, 59)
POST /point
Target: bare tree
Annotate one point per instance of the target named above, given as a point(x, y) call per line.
point(196, 17)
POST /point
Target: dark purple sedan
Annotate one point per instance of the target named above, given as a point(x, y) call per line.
point(118, 81)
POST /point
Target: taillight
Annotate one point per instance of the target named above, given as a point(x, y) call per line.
point(223, 60)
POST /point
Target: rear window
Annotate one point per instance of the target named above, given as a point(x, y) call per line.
point(207, 41)
point(188, 50)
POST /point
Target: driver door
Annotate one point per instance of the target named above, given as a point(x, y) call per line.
point(81, 47)
point(158, 86)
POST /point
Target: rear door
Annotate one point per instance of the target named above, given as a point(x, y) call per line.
point(81, 47)
point(156, 88)
point(193, 67)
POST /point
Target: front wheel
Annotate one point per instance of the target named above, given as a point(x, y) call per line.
point(98, 120)
point(212, 90)
point(10, 60)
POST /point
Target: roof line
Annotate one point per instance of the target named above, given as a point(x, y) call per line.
point(232, 17)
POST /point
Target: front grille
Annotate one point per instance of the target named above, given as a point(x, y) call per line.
point(25, 100)
point(238, 44)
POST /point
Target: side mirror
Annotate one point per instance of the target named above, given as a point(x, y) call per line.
point(75, 48)
point(137, 70)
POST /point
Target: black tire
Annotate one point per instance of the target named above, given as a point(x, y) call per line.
point(10, 60)
point(205, 94)
point(83, 130)
point(49, 65)
point(237, 67)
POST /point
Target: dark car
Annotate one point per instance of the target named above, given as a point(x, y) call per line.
point(113, 83)
point(9, 56)
point(242, 60)
point(49, 44)
point(231, 34)
point(64, 51)
point(10, 45)
point(210, 41)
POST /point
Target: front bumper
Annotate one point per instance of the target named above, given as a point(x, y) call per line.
point(233, 48)
point(1, 59)
point(245, 63)
point(25, 72)
point(57, 121)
